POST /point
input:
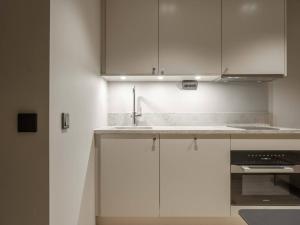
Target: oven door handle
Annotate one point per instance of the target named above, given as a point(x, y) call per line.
point(267, 169)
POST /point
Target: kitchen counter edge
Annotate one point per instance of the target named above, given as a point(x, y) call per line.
point(210, 131)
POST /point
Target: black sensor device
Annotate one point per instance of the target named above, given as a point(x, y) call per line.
point(27, 122)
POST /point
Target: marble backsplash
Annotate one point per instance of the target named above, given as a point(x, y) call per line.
point(190, 119)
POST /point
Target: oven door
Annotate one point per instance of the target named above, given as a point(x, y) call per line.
point(265, 185)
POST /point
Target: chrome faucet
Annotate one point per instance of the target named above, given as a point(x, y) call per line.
point(134, 112)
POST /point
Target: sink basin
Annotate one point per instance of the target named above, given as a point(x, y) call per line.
point(245, 127)
point(134, 128)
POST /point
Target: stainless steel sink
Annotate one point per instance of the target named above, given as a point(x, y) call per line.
point(133, 128)
point(249, 127)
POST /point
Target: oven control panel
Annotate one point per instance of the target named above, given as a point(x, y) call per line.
point(265, 157)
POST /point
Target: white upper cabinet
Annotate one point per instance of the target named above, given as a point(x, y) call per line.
point(190, 37)
point(253, 36)
point(131, 37)
point(194, 37)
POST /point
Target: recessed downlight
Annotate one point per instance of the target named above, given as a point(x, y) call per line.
point(123, 77)
point(198, 77)
point(160, 77)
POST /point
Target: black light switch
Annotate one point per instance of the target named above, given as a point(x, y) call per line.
point(27, 122)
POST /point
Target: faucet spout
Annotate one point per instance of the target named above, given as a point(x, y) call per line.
point(134, 112)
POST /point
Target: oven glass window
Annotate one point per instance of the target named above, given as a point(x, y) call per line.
point(265, 189)
point(265, 185)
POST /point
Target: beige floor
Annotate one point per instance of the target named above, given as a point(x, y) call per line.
point(171, 221)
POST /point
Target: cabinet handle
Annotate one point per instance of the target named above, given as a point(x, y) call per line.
point(153, 71)
point(225, 70)
point(195, 144)
point(153, 144)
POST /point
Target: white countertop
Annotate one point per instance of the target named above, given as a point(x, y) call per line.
point(189, 130)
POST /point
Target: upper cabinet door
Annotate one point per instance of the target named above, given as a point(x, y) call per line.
point(253, 37)
point(131, 37)
point(190, 37)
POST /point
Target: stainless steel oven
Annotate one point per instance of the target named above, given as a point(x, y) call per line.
point(265, 178)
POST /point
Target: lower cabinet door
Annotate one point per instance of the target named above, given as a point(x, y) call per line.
point(194, 176)
point(129, 182)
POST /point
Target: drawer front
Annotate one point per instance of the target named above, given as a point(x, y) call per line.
point(265, 143)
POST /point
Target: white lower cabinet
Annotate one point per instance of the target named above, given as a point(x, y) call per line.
point(194, 176)
point(174, 176)
point(129, 176)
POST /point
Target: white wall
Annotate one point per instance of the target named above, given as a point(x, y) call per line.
point(286, 93)
point(157, 97)
point(76, 88)
point(24, 87)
